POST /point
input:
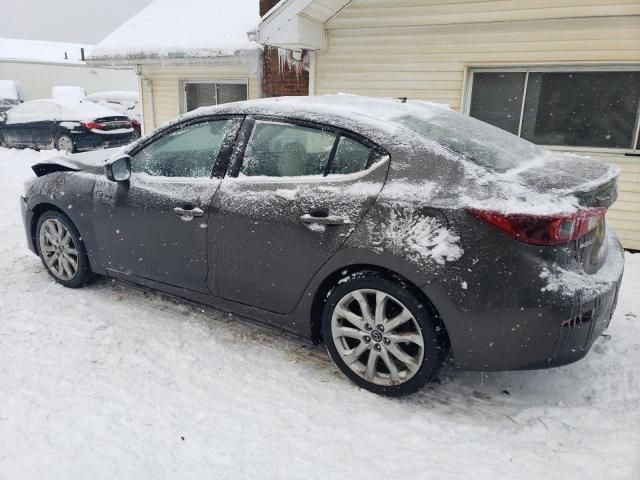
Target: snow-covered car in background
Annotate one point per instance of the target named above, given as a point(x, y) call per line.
point(124, 102)
point(10, 94)
point(394, 231)
point(64, 124)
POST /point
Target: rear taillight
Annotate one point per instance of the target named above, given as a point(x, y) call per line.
point(543, 229)
point(91, 125)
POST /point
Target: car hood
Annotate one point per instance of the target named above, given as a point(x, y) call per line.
point(74, 162)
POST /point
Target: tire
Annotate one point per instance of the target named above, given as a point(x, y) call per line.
point(65, 143)
point(57, 236)
point(407, 351)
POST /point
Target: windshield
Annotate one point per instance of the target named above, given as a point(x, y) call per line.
point(478, 141)
point(8, 101)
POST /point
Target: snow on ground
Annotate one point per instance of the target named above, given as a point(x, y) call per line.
point(113, 381)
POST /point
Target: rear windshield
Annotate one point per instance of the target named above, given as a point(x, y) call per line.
point(478, 141)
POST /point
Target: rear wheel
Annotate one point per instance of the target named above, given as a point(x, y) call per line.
point(61, 250)
point(65, 144)
point(381, 336)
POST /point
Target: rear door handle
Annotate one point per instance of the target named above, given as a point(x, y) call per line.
point(327, 220)
point(188, 212)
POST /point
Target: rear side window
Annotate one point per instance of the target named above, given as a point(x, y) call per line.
point(351, 156)
point(287, 150)
point(278, 149)
point(186, 152)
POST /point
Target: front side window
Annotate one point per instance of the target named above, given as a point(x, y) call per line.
point(576, 109)
point(204, 94)
point(189, 151)
point(285, 150)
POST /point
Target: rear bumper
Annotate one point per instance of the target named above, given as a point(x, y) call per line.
point(525, 313)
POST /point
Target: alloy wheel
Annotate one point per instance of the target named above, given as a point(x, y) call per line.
point(58, 249)
point(65, 144)
point(377, 337)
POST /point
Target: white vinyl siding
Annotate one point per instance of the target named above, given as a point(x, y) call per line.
point(425, 49)
point(168, 86)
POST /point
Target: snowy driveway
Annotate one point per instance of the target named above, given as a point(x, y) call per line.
point(116, 382)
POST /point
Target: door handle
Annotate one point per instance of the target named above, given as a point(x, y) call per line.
point(188, 212)
point(326, 220)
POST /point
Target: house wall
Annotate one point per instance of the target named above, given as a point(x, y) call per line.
point(37, 78)
point(281, 77)
point(166, 85)
point(424, 49)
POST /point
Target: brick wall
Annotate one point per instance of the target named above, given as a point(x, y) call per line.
point(280, 78)
point(266, 5)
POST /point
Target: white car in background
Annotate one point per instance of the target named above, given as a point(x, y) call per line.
point(124, 102)
point(10, 94)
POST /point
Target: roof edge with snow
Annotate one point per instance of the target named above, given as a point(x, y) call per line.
point(170, 31)
point(298, 24)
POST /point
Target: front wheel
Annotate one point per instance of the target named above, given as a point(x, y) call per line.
point(61, 250)
point(380, 335)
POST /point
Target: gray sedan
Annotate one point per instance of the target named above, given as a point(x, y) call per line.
point(399, 233)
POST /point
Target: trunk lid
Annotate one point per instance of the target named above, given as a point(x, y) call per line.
point(592, 182)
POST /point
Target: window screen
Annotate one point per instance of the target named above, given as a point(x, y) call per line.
point(497, 99)
point(186, 152)
point(582, 108)
point(285, 150)
point(211, 93)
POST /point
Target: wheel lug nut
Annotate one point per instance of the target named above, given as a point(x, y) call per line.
point(367, 326)
point(367, 339)
point(387, 341)
point(377, 346)
point(380, 327)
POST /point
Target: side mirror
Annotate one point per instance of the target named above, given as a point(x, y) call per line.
point(118, 170)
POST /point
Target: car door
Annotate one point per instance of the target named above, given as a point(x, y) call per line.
point(16, 130)
point(156, 225)
point(45, 125)
point(293, 194)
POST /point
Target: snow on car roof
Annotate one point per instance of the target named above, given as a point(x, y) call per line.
point(191, 28)
point(72, 110)
point(114, 96)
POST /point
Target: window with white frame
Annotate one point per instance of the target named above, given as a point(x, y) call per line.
point(579, 108)
point(203, 94)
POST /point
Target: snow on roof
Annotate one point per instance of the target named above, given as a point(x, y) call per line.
point(190, 28)
point(43, 51)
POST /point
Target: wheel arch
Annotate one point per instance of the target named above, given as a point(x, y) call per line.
point(331, 280)
point(38, 211)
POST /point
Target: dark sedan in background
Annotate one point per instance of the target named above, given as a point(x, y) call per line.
point(396, 232)
point(67, 125)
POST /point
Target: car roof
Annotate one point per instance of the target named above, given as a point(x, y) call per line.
point(368, 115)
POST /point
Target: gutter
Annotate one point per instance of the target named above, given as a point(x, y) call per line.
point(148, 94)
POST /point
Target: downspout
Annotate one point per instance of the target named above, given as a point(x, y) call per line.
point(148, 93)
point(312, 73)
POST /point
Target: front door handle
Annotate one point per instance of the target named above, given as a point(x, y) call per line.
point(325, 220)
point(188, 212)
